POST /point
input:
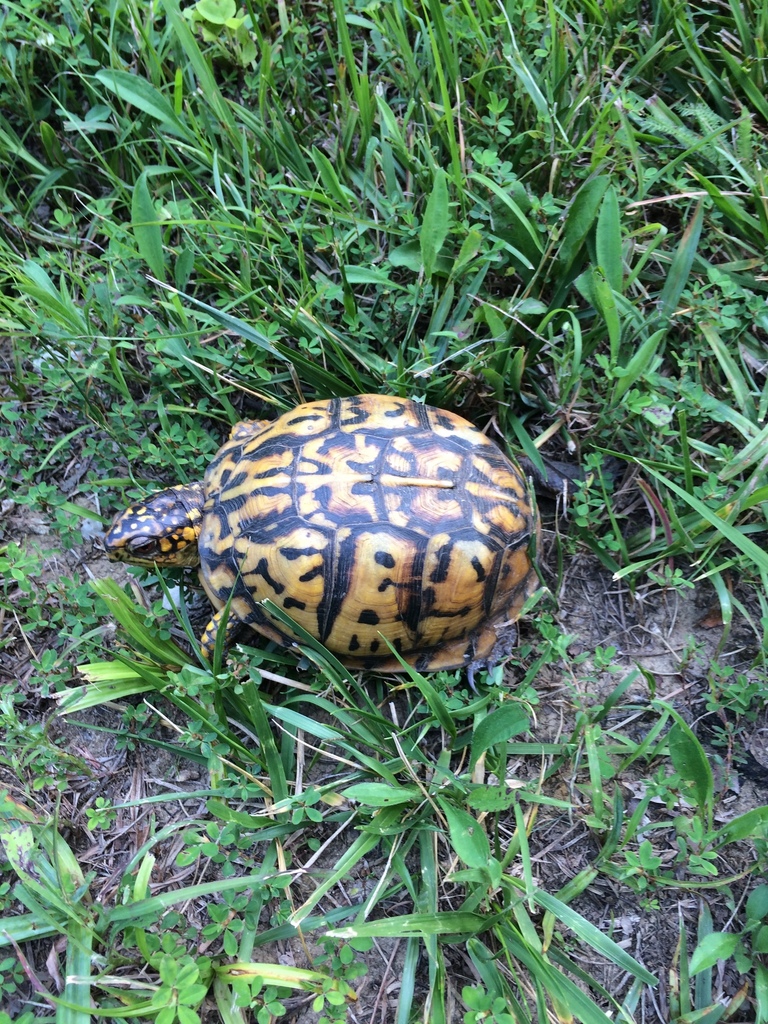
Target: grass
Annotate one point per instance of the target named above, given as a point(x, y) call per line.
point(551, 219)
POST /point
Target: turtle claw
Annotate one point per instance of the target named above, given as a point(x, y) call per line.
point(471, 669)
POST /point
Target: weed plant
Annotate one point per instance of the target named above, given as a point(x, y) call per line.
point(549, 218)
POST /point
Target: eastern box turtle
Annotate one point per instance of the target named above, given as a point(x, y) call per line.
point(364, 518)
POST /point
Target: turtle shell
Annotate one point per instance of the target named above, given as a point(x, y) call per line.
point(371, 518)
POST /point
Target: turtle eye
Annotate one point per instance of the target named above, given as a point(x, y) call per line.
point(143, 548)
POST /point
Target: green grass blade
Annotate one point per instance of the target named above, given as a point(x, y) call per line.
point(608, 240)
point(405, 1000)
point(267, 745)
point(146, 228)
point(593, 936)
point(680, 268)
point(132, 619)
point(149, 908)
point(76, 1005)
point(107, 681)
point(751, 92)
point(641, 363)
point(691, 763)
point(140, 93)
point(739, 386)
point(352, 856)
point(739, 540)
point(447, 922)
point(580, 220)
point(434, 227)
point(524, 224)
point(205, 77)
point(496, 728)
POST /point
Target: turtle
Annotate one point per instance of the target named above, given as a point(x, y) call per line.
point(377, 523)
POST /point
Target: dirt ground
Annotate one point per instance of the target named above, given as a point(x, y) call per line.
point(669, 636)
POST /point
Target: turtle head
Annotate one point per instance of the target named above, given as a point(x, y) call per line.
point(163, 529)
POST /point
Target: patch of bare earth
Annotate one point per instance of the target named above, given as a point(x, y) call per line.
point(673, 638)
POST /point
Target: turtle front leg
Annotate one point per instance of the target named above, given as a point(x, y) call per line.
point(212, 630)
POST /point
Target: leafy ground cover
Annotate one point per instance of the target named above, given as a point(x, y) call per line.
point(551, 219)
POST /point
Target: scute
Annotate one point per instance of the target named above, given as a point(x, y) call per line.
point(371, 519)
